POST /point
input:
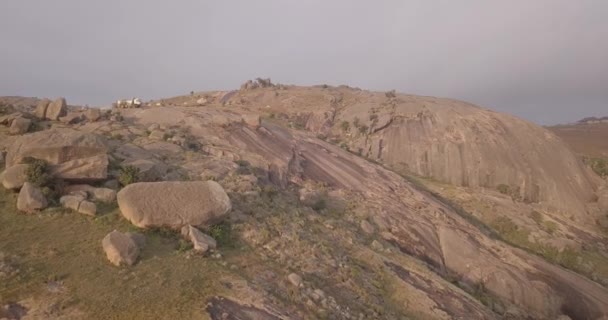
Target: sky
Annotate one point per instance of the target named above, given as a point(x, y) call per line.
point(543, 60)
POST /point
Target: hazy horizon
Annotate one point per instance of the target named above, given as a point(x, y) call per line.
point(545, 61)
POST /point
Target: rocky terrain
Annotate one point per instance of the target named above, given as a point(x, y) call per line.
point(287, 202)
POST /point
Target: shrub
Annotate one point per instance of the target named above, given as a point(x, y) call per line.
point(37, 172)
point(345, 126)
point(504, 189)
point(363, 129)
point(357, 122)
point(128, 175)
point(598, 165)
point(244, 167)
point(391, 94)
point(319, 205)
point(373, 117)
point(222, 233)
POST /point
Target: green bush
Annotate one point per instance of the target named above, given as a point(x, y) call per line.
point(222, 233)
point(128, 175)
point(345, 126)
point(37, 172)
point(504, 189)
point(319, 205)
point(363, 129)
point(598, 165)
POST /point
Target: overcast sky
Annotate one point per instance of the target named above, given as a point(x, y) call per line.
point(544, 60)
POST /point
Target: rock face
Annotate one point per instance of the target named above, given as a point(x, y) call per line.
point(56, 109)
point(120, 248)
point(465, 145)
point(20, 126)
point(14, 177)
point(72, 155)
point(201, 242)
point(174, 204)
point(31, 198)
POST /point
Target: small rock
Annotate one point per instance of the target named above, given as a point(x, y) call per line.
point(71, 201)
point(14, 177)
point(31, 198)
point(295, 279)
point(20, 126)
point(120, 249)
point(202, 242)
point(157, 135)
point(367, 227)
point(201, 101)
point(153, 127)
point(377, 245)
point(104, 194)
point(87, 207)
point(253, 120)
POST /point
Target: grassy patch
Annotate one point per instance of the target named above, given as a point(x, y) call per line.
point(57, 245)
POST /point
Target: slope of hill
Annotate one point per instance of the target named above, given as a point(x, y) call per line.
point(318, 228)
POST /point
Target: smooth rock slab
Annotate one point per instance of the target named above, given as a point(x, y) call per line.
point(120, 248)
point(174, 204)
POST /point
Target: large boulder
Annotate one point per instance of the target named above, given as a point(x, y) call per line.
point(41, 107)
point(56, 109)
point(174, 204)
point(92, 114)
point(14, 177)
point(120, 248)
point(20, 126)
point(72, 155)
point(31, 198)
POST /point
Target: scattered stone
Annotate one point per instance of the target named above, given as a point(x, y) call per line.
point(295, 279)
point(87, 207)
point(56, 109)
point(201, 101)
point(174, 204)
point(20, 126)
point(157, 135)
point(104, 194)
point(14, 177)
point(71, 202)
point(201, 242)
point(41, 107)
point(153, 127)
point(120, 249)
point(112, 184)
point(253, 120)
point(367, 227)
point(31, 198)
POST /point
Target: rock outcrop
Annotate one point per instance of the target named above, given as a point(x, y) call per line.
point(120, 248)
point(72, 155)
point(41, 107)
point(174, 204)
point(31, 199)
point(56, 109)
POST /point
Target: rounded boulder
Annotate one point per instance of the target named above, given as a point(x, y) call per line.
point(174, 204)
